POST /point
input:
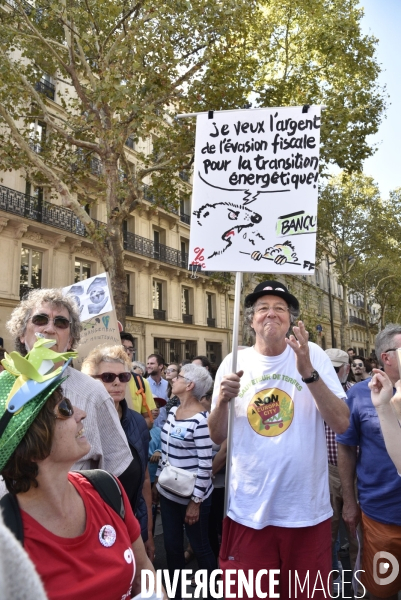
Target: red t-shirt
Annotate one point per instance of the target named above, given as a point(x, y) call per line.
point(84, 568)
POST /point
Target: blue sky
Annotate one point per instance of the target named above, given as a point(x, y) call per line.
point(383, 20)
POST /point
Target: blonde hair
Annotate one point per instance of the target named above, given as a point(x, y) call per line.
point(105, 353)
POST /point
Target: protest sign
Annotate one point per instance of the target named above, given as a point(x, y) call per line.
point(255, 191)
point(99, 323)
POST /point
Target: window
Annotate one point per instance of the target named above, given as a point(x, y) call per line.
point(37, 135)
point(82, 270)
point(185, 301)
point(211, 310)
point(214, 353)
point(184, 253)
point(317, 277)
point(129, 307)
point(186, 305)
point(31, 268)
point(159, 300)
point(159, 239)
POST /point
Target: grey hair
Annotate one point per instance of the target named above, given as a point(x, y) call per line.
point(54, 296)
point(200, 377)
point(385, 339)
point(249, 313)
point(137, 364)
point(105, 353)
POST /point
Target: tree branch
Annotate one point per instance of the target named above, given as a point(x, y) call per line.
point(58, 184)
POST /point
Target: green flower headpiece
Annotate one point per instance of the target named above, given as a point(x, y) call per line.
point(25, 385)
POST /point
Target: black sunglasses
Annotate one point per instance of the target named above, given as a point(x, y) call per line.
point(59, 322)
point(65, 409)
point(110, 377)
point(357, 364)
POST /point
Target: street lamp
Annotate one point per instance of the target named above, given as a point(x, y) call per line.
point(330, 300)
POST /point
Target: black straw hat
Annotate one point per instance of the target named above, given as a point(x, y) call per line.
point(271, 288)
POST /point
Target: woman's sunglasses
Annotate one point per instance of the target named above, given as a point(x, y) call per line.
point(110, 377)
point(65, 409)
point(59, 322)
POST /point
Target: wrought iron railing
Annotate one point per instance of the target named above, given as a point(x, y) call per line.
point(129, 310)
point(36, 209)
point(185, 218)
point(187, 319)
point(357, 321)
point(46, 88)
point(211, 322)
point(145, 247)
point(150, 197)
point(160, 315)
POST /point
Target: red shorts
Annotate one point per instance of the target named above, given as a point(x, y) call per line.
point(302, 556)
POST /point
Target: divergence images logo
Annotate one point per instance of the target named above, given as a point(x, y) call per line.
point(384, 567)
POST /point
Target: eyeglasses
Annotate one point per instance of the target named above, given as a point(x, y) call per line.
point(182, 377)
point(278, 310)
point(110, 377)
point(390, 350)
point(42, 320)
point(130, 349)
point(171, 370)
point(65, 409)
point(357, 364)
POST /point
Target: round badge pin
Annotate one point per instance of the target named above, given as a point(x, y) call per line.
point(107, 536)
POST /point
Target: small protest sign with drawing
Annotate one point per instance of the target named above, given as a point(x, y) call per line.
point(255, 190)
point(97, 313)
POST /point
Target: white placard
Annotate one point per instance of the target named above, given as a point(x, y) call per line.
point(255, 191)
point(92, 296)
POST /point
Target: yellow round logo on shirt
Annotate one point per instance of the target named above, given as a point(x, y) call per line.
point(270, 412)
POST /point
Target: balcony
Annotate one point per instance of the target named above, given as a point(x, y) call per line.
point(130, 143)
point(129, 310)
point(159, 315)
point(187, 319)
point(184, 176)
point(145, 247)
point(36, 209)
point(150, 197)
point(46, 88)
point(185, 218)
point(211, 322)
point(357, 321)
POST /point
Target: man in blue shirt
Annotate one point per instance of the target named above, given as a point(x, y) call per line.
point(379, 485)
point(158, 385)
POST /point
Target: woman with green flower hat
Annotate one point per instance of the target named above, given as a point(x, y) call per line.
point(79, 544)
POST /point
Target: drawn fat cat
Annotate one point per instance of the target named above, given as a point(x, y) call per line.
point(233, 218)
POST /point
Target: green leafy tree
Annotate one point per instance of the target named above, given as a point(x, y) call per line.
point(124, 69)
point(357, 229)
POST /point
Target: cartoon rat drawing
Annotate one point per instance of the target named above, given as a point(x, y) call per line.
point(232, 217)
point(279, 253)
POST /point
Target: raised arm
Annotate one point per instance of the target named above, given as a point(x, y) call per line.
point(388, 409)
point(332, 408)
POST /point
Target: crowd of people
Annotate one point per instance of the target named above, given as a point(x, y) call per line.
point(88, 458)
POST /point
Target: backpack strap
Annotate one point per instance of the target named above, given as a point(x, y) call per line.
point(104, 483)
point(140, 386)
point(12, 516)
point(107, 487)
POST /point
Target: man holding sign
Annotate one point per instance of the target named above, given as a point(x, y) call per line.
point(279, 507)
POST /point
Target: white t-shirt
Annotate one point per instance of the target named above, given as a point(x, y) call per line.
point(279, 470)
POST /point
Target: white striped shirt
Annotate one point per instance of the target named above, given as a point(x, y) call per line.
point(190, 448)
